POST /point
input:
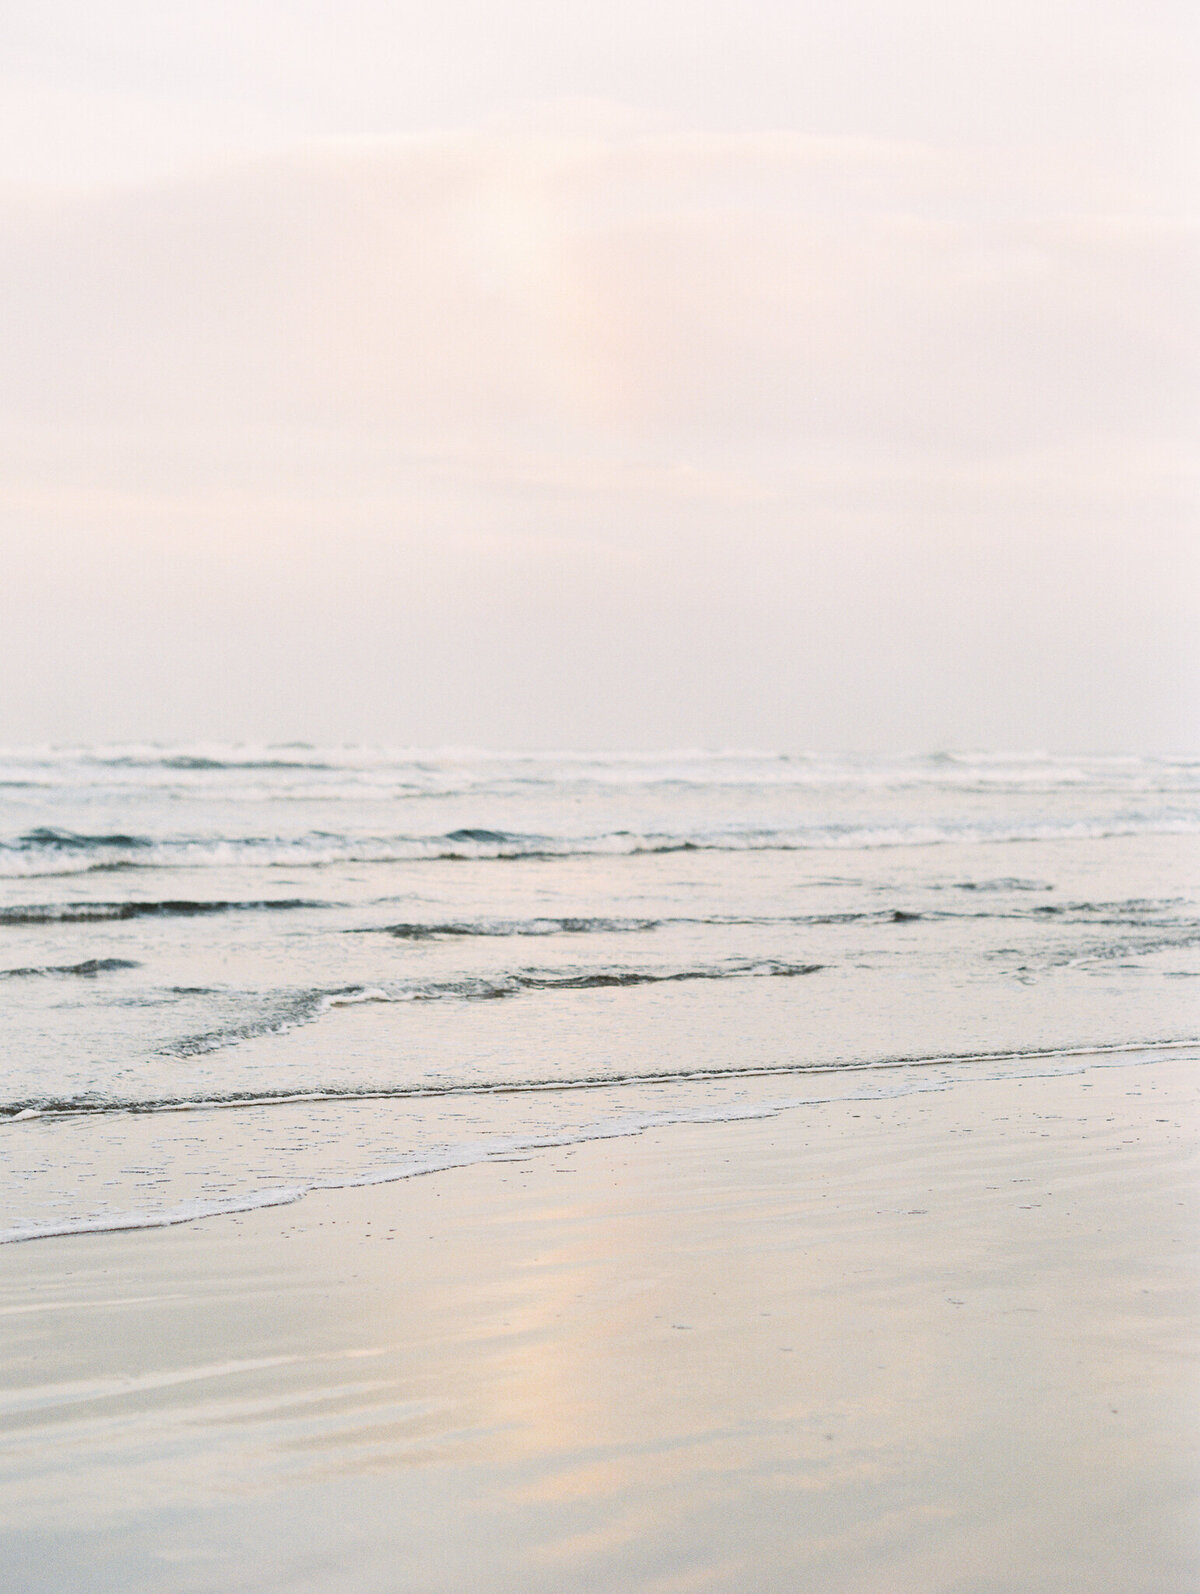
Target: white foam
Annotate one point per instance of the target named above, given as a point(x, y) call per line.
point(893, 1083)
point(46, 860)
point(185, 1212)
point(352, 998)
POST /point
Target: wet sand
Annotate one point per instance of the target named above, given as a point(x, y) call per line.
point(938, 1343)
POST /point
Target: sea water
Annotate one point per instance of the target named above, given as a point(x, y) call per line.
point(229, 975)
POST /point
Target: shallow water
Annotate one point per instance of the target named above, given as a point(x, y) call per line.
point(390, 961)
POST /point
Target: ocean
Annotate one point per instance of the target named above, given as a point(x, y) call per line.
point(231, 975)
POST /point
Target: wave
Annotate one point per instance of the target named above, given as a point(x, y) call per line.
point(72, 841)
point(520, 927)
point(48, 851)
point(484, 988)
point(444, 1159)
point(1186, 936)
point(309, 1005)
point(770, 968)
point(186, 1212)
point(150, 759)
point(1135, 911)
point(464, 770)
point(106, 912)
point(195, 761)
point(1128, 910)
point(441, 1161)
point(94, 1105)
point(896, 1077)
point(89, 967)
point(1005, 883)
point(607, 926)
point(280, 1012)
point(486, 836)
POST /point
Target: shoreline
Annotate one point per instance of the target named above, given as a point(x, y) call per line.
point(938, 1341)
point(1076, 1058)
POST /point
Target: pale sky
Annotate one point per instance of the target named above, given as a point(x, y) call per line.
point(814, 376)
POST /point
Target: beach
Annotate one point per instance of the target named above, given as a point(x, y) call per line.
point(632, 1173)
point(934, 1342)
point(599, 800)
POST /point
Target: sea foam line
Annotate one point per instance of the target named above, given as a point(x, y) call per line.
point(74, 1108)
point(503, 1147)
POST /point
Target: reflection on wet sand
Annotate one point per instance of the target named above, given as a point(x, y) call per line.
point(926, 1343)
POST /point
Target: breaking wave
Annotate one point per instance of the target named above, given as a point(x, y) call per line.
point(452, 770)
point(47, 851)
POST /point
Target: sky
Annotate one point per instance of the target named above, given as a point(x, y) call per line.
point(811, 376)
